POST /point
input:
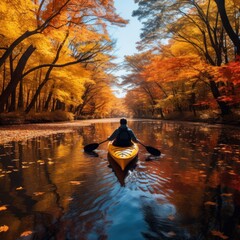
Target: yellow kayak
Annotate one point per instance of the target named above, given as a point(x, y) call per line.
point(123, 155)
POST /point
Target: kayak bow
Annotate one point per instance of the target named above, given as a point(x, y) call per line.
point(123, 155)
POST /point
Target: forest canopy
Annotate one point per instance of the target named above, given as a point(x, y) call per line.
point(58, 56)
point(189, 59)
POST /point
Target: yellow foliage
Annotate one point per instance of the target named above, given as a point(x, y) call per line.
point(181, 48)
point(85, 22)
point(237, 2)
point(16, 17)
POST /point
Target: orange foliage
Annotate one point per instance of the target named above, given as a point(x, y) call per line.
point(230, 72)
point(171, 69)
point(230, 75)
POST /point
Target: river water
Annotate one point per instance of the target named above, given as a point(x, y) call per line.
point(51, 189)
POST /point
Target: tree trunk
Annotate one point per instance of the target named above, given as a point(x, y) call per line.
point(60, 105)
point(192, 101)
point(226, 24)
point(47, 77)
point(225, 109)
point(35, 97)
point(46, 106)
point(53, 105)
point(8, 52)
point(4, 77)
point(20, 96)
point(27, 34)
point(12, 106)
point(17, 76)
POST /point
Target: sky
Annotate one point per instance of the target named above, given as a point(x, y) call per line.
point(126, 37)
point(129, 35)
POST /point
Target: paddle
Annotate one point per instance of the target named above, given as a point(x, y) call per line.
point(151, 150)
point(92, 146)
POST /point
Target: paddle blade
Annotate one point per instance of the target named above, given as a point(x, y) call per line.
point(153, 151)
point(91, 147)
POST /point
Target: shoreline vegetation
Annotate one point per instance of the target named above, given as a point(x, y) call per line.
point(206, 116)
point(17, 127)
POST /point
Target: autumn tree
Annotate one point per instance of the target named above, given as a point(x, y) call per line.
point(97, 98)
point(135, 65)
point(74, 32)
point(46, 15)
point(196, 23)
point(233, 35)
point(180, 78)
point(135, 101)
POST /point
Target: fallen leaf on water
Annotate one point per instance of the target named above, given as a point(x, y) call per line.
point(4, 228)
point(26, 233)
point(219, 234)
point(15, 160)
point(210, 203)
point(226, 194)
point(67, 200)
point(232, 172)
point(171, 234)
point(25, 166)
point(2, 208)
point(38, 193)
point(75, 182)
point(40, 161)
point(171, 217)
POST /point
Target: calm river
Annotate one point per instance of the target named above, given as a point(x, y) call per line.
point(51, 189)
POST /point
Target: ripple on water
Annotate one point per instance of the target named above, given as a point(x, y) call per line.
point(159, 198)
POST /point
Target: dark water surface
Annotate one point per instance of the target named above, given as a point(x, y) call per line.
point(51, 189)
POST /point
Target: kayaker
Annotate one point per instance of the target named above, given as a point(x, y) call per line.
point(123, 136)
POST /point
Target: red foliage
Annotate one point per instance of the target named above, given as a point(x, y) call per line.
point(231, 72)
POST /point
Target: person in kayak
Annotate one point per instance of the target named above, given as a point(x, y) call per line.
point(123, 136)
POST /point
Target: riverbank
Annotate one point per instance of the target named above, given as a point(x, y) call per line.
point(22, 132)
point(206, 116)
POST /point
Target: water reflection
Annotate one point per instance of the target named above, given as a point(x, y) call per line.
point(51, 189)
point(120, 174)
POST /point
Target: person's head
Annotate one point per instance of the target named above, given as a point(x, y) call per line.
point(123, 121)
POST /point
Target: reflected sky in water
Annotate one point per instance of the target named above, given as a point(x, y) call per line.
point(51, 189)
